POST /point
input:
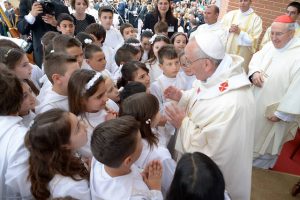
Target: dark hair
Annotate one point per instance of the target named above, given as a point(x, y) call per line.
point(146, 33)
point(11, 56)
point(296, 5)
point(105, 9)
point(132, 88)
point(161, 27)
point(64, 16)
point(129, 72)
point(125, 54)
point(45, 141)
point(143, 107)
point(56, 63)
point(135, 43)
point(90, 49)
point(8, 43)
point(72, 3)
point(169, 14)
point(77, 91)
point(48, 37)
point(114, 140)
point(177, 34)
point(168, 52)
point(123, 26)
point(196, 177)
point(82, 36)
point(11, 92)
point(158, 38)
point(63, 42)
point(97, 30)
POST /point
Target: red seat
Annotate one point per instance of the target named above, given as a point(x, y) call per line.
point(289, 158)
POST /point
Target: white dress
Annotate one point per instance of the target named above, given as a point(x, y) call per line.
point(13, 159)
point(113, 39)
point(127, 187)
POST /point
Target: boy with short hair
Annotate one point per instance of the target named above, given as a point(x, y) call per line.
point(127, 31)
point(161, 28)
point(113, 173)
point(170, 65)
point(114, 38)
point(98, 32)
point(65, 24)
point(58, 68)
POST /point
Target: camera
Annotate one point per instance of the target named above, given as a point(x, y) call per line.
point(48, 6)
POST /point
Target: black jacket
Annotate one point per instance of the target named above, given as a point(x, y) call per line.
point(151, 20)
point(38, 28)
point(89, 19)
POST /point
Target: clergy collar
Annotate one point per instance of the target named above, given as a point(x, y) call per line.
point(223, 66)
point(248, 12)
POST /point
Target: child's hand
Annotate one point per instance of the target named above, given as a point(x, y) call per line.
point(152, 175)
point(110, 115)
point(162, 120)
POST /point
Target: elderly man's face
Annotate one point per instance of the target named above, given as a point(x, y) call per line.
point(201, 67)
point(280, 35)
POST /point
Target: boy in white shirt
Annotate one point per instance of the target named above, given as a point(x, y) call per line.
point(116, 144)
point(58, 68)
point(170, 65)
point(114, 38)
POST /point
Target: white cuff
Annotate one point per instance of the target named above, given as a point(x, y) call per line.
point(244, 39)
point(284, 116)
point(30, 18)
point(156, 195)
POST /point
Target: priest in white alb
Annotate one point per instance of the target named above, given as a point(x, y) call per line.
point(216, 117)
point(244, 27)
point(275, 73)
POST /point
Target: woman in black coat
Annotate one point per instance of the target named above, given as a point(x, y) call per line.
point(81, 19)
point(162, 12)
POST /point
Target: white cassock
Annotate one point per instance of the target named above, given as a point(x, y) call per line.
point(219, 122)
point(154, 70)
point(62, 186)
point(52, 100)
point(127, 187)
point(13, 159)
point(281, 89)
point(157, 88)
point(92, 120)
point(158, 153)
point(216, 28)
point(113, 38)
point(246, 43)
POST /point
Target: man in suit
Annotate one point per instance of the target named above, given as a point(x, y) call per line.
point(33, 19)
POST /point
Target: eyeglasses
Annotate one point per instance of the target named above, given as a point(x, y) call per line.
point(278, 34)
point(188, 63)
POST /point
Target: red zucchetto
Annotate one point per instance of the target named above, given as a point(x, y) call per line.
point(284, 19)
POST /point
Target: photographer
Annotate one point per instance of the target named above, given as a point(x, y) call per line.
point(38, 18)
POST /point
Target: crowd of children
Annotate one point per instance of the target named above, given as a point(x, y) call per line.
point(90, 124)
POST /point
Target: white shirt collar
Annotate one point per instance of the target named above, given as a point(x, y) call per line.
point(248, 12)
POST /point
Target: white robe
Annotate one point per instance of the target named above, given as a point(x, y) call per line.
point(105, 72)
point(46, 87)
point(13, 159)
point(246, 43)
point(282, 86)
point(127, 187)
point(219, 122)
point(154, 70)
point(27, 119)
point(188, 80)
point(113, 38)
point(109, 53)
point(92, 120)
point(162, 154)
point(216, 28)
point(157, 89)
point(62, 186)
point(52, 100)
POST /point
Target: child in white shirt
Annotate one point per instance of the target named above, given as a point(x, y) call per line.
point(116, 145)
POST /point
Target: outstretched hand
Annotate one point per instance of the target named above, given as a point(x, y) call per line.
point(152, 175)
point(175, 114)
point(172, 93)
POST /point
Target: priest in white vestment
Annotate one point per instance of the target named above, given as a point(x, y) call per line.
point(275, 73)
point(245, 27)
point(211, 15)
point(218, 115)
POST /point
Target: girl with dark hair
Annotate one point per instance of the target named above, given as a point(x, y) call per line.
point(157, 41)
point(134, 71)
point(145, 108)
point(197, 177)
point(162, 12)
point(54, 168)
point(87, 100)
point(179, 40)
point(146, 35)
point(28, 104)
